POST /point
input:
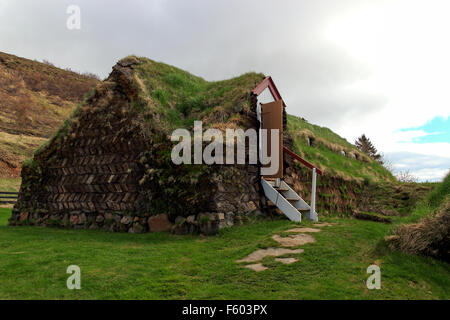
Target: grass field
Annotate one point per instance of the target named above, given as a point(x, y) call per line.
point(33, 263)
point(10, 184)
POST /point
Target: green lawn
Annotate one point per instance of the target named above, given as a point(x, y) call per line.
point(33, 264)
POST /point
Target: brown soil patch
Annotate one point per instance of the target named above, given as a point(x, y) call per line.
point(294, 240)
point(260, 254)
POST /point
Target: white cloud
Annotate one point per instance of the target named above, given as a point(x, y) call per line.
point(430, 174)
point(424, 166)
point(402, 43)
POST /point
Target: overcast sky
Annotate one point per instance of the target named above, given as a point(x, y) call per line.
point(376, 67)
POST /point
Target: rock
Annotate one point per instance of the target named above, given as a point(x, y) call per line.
point(209, 228)
point(23, 216)
point(286, 260)
point(93, 226)
point(225, 220)
point(258, 267)
point(214, 216)
point(225, 206)
point(82, 218)
point(260, 254)
point(294, 240)
point(65, 220)
point(179, 219)
point(113, 228)
point(251, 206)
point(303, 229)
point(122, 227)
point(191, 219)
point(99, 219)
point(238, 220)
point(229, 219)
point(73, 219)
point(138, 228)
point(159, 223)
point(222, 224)
point(220, 187)
point(126, 220)
point(181, 228)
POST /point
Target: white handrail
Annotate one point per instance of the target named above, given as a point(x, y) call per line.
point(312, 210)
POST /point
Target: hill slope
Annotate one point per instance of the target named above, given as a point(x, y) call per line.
point(334, 154)
point(431, 235)
point(34, 100)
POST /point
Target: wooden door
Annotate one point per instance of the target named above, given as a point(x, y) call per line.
point(272, 118)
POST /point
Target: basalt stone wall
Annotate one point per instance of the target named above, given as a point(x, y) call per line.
point(90, 168)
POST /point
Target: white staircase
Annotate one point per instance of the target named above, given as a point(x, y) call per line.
point(288, 201)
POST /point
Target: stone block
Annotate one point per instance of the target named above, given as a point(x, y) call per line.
point(159, 223)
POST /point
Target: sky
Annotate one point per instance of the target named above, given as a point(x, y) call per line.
point(377, 67)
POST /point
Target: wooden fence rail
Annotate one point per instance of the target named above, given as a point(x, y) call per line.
point(11, 197)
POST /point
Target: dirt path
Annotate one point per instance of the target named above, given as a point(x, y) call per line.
point(300, 237)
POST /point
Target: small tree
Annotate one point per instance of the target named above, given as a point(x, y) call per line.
point(406, 176)
point(365, 145)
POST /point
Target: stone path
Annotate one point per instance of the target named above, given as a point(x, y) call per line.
point(302, 237)
point(295, 230)
point(256, 267)
point(286, 260)
point(260, 254)
point(294, 240)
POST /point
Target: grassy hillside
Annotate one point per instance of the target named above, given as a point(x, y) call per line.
point(440, 193)
point(431, 234)
point(35, 98)
point(332, 153)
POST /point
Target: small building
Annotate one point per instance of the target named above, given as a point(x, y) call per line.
point(109, 165)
